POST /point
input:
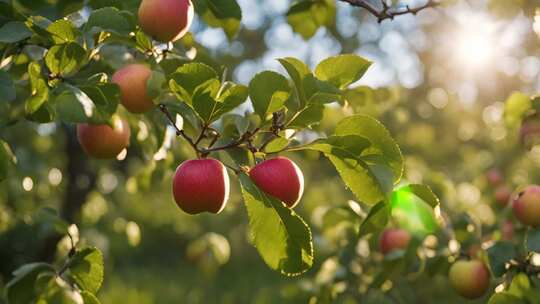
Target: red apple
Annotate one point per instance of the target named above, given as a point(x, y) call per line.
point(166, 20)
point(281, 178)
point(102, 141)
point(470, 279)
point(502, 195)
point(132, 80)
point(394, 239)
point(201, 185)
point(494, 177)
point(527, 206)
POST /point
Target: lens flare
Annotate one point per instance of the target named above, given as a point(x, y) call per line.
point(412, 213)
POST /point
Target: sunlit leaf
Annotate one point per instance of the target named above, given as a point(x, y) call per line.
point(268, 91)
point(342, 70)
point(282, 237)
point(86, 269)
point(20, 290)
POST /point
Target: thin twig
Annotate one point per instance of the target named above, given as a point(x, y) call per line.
point(388, 12)
point(179, 132)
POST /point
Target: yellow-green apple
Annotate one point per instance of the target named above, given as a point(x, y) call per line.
point(470, 279)
point(394, 239)
point(527, 206)
point(166, 20)
point(132, 80)
point(201, 185)
point(104, 141)
point(281, 178)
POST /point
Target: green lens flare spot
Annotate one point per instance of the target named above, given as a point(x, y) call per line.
point(412, 213)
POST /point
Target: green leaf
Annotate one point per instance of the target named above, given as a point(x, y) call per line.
point(268, 92)
point(89, 298)
point(276, 145)
point(319, 92)
point(424, 193)
point(305, 17)
point(499, 254)
point(342, 70)
point(281, 236)
point(55, 290)
point(39, 25)
point(297, 70)
point(345, 146)
point(65, 59)
point(155, 84)
point(233, 96)
point(14, 31)
point(225, 14)
point(369, 170)
point(20, 290)
point(63, 31)
point(40, 90)
point(188, 77)
point(204, 100)
point(7, 87)
point(144, 43)
point(312, 114)
point(369, 182)
point(108, 19)
point(86, 269)
point(382, 142)
point(504, 298)
point(211, 108)
point(533, 240)
point(520, 287)
point(74, 105)
point(376, 219)
point(106, 97)
point(515, 108)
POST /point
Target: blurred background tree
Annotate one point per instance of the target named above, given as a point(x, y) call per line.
point(439, 82)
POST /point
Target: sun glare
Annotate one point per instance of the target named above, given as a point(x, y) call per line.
point(474, 42)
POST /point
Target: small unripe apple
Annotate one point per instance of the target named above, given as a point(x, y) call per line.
point(502, 195)
point(166, 20)
point(281, 178)
point(470, 279)
point(530, 130)
point(527, 206)
point(394, 239)
point(102, 141)
point(201, 185)
point(494, 177)
point(132, 80)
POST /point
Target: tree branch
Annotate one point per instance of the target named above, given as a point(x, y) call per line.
point(387, 12)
